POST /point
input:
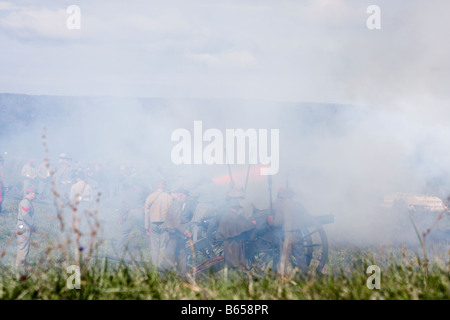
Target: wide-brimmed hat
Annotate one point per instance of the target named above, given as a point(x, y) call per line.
point(181, 190)
point(234, 203)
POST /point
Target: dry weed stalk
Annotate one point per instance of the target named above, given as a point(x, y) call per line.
point(423, 236)
point(74, 230)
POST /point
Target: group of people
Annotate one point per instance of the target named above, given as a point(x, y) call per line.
point(40, 177)
point(164, 217)
point(71, 186)
point(168, 218)
point(172, 220)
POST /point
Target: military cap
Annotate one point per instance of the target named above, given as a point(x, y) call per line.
point(285, 193)
point(31, 190)
point(181, 190)
point(236, 192)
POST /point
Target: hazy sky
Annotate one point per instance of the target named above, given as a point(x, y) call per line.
point(319, 50)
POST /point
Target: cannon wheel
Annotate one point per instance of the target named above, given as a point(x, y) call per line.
point(264, 252)
point(205, 256)
point(316, 246)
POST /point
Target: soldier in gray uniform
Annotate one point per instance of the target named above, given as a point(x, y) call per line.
point(64, 176)
point(234, 228)
point(81, 197)
point(24, 227)
point(44, 173)
point(29, 174)
point(131, 216)
point(207, 199)
point(292, 217)
point(3, 183)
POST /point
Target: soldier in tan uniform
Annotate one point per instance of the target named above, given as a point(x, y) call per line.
point(175, 225)
point(81, 191)
point(24, 227)
point(291, 217)
point(155, 209)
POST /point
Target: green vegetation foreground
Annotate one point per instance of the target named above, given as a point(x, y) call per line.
point(403, 274)
point(400, 278)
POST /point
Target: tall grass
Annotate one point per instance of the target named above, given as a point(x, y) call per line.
point(401, 279)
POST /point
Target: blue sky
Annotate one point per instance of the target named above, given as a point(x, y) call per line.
point(319, 51)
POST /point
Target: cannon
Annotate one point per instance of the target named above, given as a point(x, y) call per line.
point(262, 246)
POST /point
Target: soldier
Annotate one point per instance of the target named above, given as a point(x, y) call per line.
point(207, 199)
point(81, 191)
point(236, 194)
point(29, 173)
point(291, 216)
point(81, 197)
point(24, 227)
point(176, 227)
point(247, 206)
point(155, 209)
point(44, 177)
point(3, 183)
point(131, 215)
point(234, 229)
point(64, 175)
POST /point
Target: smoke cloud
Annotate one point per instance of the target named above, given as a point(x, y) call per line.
point(361, 113)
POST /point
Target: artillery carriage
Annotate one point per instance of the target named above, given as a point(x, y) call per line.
point(262, 246)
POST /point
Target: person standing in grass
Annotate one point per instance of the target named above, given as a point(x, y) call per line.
point(155, 209)
point(234, 228)
point(3, 184)
point(81, 196)
point(205, 194)
point(131, 214)
point(44, 174)
point(29, 174)
point(64, 175)
point(291, 216)
point(24, 227)
point(175, 226)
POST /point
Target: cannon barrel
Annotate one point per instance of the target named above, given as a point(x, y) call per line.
point(324, 219)
point(262, 215)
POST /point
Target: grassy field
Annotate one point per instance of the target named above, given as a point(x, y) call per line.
point(404, 273)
